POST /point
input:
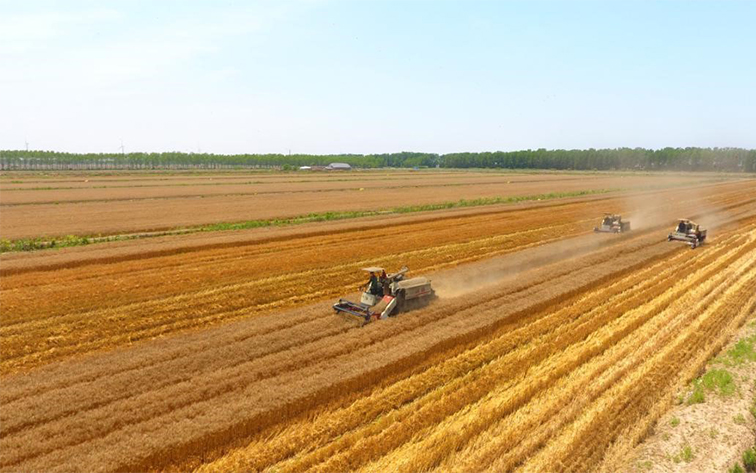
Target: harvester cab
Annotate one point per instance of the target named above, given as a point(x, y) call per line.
point(689, 232)
point(612, 223)
point(386, 295)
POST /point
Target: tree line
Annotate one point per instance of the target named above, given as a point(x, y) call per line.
point(670, 159)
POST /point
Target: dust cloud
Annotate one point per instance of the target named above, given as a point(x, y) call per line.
point(474, 277)
point(652, 210)
point(647, 211)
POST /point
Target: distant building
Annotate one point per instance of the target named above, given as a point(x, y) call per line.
point(339, 167)
point(305, 168)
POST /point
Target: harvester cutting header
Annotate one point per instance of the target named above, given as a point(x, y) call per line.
point(688, 231)
point(386, 295)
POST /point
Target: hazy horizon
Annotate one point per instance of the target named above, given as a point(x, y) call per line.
point(369, 77)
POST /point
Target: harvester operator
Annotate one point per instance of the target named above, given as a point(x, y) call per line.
point(374, 286)
point(385, 282)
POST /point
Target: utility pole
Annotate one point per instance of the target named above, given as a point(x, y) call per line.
point(27, 145)
point(122, 148)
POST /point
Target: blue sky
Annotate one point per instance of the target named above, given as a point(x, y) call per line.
point(375, 76)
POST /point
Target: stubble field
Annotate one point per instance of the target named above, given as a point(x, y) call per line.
point(102, 205)
point(549, 348)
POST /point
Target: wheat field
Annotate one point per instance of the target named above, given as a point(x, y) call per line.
point(549, 347)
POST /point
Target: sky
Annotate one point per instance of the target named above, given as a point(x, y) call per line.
point(375, 76)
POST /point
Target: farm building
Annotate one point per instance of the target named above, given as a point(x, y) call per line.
point(338, 167)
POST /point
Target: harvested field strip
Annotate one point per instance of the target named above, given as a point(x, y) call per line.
point(215, 213)
point(206, 263)
point(555, 405)
point(82, 195)
point(475, 379)
point(14, 263)
point(236, 401)
point(310, 240)
point(632, 435)
point(226, 302)
point(41, 243)
point(109, 218)
point(564, 402)
point(97, 182)
point(651, 377)
point(160, 316)
point(11, 427)
point(659, 321)
point(236, 350)
point(481, 385)
point(7, 399)
point(206, 304)
point(239, 352)
point(349, 245)
point(34, 335)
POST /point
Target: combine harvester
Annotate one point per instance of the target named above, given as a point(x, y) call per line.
point(612, 224)
point(688, 231)
point(386, 295)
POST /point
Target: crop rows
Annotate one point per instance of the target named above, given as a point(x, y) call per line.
point(578, 344)
point(142, 407)
point(469, 413)
point(104, 191)
point(53, 315)
point(109, 212)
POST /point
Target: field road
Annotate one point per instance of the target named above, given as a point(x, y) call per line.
point(224, 356)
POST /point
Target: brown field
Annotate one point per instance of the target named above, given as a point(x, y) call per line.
point(12, 197)
point(549, 348)
point(103, 207)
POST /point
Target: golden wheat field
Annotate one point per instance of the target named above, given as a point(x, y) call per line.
point(548, 347)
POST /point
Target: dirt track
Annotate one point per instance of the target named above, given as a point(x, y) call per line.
point(577, 339)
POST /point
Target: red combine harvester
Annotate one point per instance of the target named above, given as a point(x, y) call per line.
point(612, 223)
point(386, 295)
point(688, 231)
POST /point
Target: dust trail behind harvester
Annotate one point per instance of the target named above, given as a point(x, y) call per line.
point(470, 278)
point(707, 214)
point(646, 211)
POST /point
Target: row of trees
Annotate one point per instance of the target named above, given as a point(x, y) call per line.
point(682, 159)
point(676, 159)
point(177, 160)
